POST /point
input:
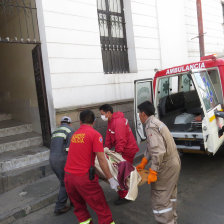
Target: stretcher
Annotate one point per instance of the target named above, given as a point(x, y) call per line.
point(113, 160)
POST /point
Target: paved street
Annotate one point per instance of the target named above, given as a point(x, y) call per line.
point(200, 197)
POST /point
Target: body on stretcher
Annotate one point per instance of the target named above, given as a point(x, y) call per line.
point(131, 182)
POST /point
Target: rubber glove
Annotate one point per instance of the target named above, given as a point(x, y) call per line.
point(142, 165)
point(152, 177)
point(113, 184)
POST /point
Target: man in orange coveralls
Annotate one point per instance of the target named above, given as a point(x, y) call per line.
point(165, 165)
point(80, 181)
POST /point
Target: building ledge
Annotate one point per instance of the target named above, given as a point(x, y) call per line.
point(92, 106)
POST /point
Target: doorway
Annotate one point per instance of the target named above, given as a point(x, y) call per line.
point(22, 84)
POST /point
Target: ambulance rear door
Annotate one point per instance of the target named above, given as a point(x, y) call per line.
point(143, 92)
point(209, 101)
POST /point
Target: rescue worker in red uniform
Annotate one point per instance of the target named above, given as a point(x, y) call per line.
point(119, 136)
point(81, 185)
point(164, 166)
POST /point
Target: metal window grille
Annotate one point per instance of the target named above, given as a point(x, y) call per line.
point(113, 36)
point(18, 21)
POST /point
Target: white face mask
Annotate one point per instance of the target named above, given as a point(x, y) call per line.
point(104, 118)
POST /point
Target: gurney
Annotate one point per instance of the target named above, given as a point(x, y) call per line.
point(132, 182)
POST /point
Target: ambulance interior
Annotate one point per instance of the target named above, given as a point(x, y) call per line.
point(178, 104)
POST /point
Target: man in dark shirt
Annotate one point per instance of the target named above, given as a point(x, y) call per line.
point(60, 141)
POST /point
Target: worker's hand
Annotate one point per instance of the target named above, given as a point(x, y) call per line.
point(152, 177)
point(142, 165)
point(113, 184)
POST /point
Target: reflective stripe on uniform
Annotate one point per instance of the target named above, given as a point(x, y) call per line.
point(65, 129)
point(112, 223)
point(86, 222)
point(162, 211)
point(160, 127)
point(60, 135)
point(173, 200)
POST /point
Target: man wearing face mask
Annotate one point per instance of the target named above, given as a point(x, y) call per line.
point(119, 136)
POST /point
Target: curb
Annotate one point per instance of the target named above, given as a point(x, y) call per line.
point(41, 203)
point(35, 206)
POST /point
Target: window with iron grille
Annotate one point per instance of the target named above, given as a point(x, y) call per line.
point(113, 36)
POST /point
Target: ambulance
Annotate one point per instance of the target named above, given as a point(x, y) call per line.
point(189, 100)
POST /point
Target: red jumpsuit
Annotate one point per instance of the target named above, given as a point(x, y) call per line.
point(120, 136)
point(84, 144)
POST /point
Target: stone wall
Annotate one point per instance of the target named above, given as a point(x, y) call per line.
point(126, 107)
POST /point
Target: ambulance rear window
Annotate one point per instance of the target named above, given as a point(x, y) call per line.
point(174, 84)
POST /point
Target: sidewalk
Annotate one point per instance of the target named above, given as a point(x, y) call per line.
point(200, 198)
point(27, 199)
point(132, 213)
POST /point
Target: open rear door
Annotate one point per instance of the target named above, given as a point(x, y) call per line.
point(143, 92)
point(209, 101)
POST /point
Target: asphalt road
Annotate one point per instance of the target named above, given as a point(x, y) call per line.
point(200, 197)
